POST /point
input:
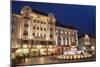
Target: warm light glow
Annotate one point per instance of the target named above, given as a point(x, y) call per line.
point(67, 57)
point(85, 56)
point(86, 36)
point(78, 56)
point(71, 56)
point(82, 56)
point(50, 46)
point(75, 57)
point(92, 47)
point(25, 46)
point(25, 50)
point(18, 51)
point(39, 46)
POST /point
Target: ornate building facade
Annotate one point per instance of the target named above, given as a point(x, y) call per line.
point(34, 30)
point(87, 43)
point(66, 38)
point(37, 33)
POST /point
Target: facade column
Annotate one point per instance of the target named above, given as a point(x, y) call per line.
point(69, 40)
point(65, 40)
point(61, 40)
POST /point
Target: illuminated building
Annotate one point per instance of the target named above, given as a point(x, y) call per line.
point(66, 37)
point(34, 30)
point(37, 33)
point(87, 43)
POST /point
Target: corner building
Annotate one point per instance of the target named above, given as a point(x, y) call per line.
point(35, 31)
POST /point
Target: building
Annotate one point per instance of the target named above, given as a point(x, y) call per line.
point(87, 43)
point(35, 31)
point(14, 29)
point(66, 38)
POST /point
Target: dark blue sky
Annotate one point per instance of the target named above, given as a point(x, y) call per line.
point(83, 17)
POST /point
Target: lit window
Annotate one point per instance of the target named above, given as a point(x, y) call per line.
point(61, 31)
point(37, 34)
point(57, 31)
point(65, 32)
point(69, 33)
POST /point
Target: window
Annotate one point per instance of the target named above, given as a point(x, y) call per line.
point(69, 33)
point(12, 31)
point(41, 35)
point(63, 37)
point(33, 27)
point(34, 20)
point(44, 22)
point(25, 41)
point(27, 18)
point(51, 36)
point(51, 29)
point(38, 21)
point(33, 34)
point(41, 22)
point(44, 35)
point(44, 29)
point(37, 34)
point(37, 28)
point(26, 25)
point(25, 33)
point(61, 31)
point(41, 28)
